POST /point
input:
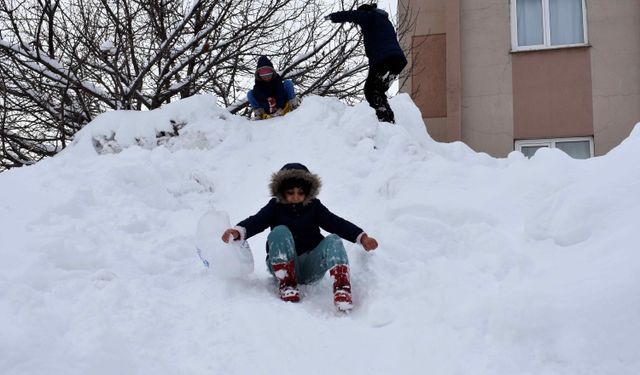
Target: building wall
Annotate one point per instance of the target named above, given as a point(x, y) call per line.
point(614, 33)
point(470, 98)
point(429, 80)
point(487, 99)
point(494, 96)
point(552, 93)
point(427, 83)
point(431, 15)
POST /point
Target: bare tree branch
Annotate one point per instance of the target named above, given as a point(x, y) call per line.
point(64, 62)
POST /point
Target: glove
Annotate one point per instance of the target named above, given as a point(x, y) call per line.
point(230, 234)
point(278, 113)
point(369, 243)
point(294, 103)
point(258, 112)
point(327, 17)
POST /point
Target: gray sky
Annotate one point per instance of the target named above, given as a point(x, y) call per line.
point(389, 5)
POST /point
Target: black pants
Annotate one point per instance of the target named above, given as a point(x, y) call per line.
point(378, 81)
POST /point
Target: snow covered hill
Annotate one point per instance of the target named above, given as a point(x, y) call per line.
point(485, 266)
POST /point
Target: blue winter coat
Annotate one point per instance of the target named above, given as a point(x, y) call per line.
point(274, 88)
point(303, 220)
point(380, 39)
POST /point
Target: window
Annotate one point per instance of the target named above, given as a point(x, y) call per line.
point(540, 24)
point(577, 148)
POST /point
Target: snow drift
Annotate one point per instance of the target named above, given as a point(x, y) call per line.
point(485, 266)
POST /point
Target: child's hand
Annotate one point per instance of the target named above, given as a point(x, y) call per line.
point(230, 234)
point(369, 243)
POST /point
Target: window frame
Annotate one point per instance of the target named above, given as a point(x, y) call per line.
point(551, 143)
point(546, 29)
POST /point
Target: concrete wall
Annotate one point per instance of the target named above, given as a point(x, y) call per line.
point(429, 80)
point(431, 15)
point(487, 101)
point(478, 71)
point(428, 41)
point(480, 84)
point(552, 93)
point(614, 33)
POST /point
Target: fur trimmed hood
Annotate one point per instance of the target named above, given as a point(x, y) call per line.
point(294, 175)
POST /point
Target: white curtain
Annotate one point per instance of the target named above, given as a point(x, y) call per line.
point(565, 22)
point(529, 18)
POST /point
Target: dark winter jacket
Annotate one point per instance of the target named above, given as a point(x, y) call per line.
point(274, 88)
point(380, 39)
point(305, 219)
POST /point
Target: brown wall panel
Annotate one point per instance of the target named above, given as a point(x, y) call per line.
point(429, 75)
point(552, 94)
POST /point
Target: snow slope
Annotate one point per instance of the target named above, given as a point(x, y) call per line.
point(485, 266)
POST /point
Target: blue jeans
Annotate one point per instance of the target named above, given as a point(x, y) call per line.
point(310, 266)
point(288, 88)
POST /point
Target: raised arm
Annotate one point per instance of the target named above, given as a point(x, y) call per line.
point(354, 16)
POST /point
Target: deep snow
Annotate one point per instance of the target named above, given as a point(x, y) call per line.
point(485, 266)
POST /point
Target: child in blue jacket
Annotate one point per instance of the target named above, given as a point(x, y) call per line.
point(271, 95)
point(296, 250)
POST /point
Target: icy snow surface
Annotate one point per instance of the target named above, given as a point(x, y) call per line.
point(485, 266)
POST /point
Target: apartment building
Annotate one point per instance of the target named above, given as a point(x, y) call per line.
point(504, 75)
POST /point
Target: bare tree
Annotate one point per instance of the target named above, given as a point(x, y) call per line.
point(63, 62)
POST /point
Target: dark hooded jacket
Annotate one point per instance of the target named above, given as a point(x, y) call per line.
point(274, 88)
point(380, 39)
point(305, 219)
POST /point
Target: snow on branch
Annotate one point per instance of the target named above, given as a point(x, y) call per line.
point(63, 63)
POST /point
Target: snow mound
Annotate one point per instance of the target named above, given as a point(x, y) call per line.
point(485, 266)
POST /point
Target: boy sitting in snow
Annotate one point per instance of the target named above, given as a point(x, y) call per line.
point(271, 96)
point(296, 250)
